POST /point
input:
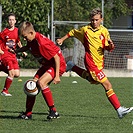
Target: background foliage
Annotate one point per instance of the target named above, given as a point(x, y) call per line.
point(36, 11)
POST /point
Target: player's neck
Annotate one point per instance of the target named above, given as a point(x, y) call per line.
point(11, 28)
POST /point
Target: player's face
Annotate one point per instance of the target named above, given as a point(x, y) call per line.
point(11, 21)
point(28, 36)
point(96, 21)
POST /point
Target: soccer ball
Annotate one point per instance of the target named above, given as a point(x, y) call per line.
point(30, 88)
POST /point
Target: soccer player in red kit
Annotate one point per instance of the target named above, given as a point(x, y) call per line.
point(95, 39)
point(52, 67)
point(9, 39)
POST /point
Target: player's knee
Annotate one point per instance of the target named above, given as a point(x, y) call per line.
point(107, 86)
point(16, 75)
point(41, 84)
point(11, 74)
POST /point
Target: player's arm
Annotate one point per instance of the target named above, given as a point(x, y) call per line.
point(20, 46)
point(22, 49)
point(77, 33)
point(61, 40)
point(109, 46)
point(57, 66)
point(1, 51)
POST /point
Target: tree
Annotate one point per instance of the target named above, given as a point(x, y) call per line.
point(78, 10)
point(36, 12)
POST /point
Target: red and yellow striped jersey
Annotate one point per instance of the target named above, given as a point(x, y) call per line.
point(94, 41)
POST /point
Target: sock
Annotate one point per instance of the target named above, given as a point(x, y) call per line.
point(47, 95)
point(30, 101)
point(8, 83)
point(113, 98)
point(81, 72)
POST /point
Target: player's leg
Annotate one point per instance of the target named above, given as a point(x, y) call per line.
point(30, 101)
point(16, 68)
point(81, 72)
point(13, 70)
point(9, 78)
point(112, 97)
point(43, 78)
point(43, 82)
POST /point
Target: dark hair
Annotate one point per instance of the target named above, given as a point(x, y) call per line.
point(95, 11)
point(11, 14)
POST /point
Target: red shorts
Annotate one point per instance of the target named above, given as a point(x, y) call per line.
point(51, 70)
point(10, 63)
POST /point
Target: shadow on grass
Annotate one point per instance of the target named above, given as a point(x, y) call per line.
point(93, 117)
point(14, 112)
point(62, 115)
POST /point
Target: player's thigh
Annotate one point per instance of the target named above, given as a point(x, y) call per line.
point(44, 80)
point(45, 75)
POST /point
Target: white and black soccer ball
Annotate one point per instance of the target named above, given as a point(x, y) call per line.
point(30, 88)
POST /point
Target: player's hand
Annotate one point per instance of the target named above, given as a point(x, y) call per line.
point(1, 52)
point(56, 80)
point(59, 41)
point(12, 50)
point(24, 54)
point(111, 45)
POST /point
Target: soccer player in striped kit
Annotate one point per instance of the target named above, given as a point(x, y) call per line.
point(52, 62)
point(95, 39)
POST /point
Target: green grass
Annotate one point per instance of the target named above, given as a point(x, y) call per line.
point(83, 107)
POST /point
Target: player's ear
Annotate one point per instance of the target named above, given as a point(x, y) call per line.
point(31, 32)
point(15, 21)
point(102, 20)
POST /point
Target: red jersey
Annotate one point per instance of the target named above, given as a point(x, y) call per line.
point(44, 50)
point(9, 37)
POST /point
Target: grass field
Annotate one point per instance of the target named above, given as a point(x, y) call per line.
point(83, 107)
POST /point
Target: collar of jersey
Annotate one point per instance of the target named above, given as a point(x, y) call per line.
point(90, 27)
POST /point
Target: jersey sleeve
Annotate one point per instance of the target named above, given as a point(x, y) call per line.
point(77, 33)
point(107, 36)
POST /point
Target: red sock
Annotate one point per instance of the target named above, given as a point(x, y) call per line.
point(30, 101)
point(8, 83)
point(113, 98)
point(48, 98)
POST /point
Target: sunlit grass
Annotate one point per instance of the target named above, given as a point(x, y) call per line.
point(83, 108)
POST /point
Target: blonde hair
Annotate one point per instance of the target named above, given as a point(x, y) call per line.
point(25, 27)
point(95, 11)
